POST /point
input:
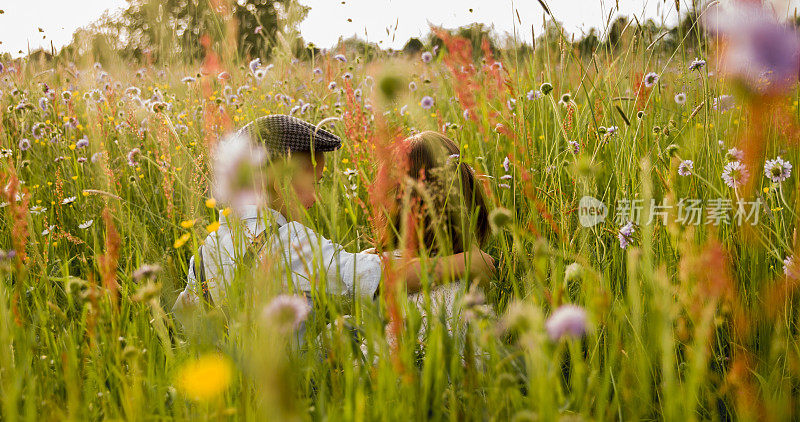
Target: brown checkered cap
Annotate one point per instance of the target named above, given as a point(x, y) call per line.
point(281, 134)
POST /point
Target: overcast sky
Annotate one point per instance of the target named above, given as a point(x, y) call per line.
point(328, 19)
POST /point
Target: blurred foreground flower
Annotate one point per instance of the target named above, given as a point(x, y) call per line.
point(239, 177)
point(566, 321)
point(286, 312)
point(761, 52)
point(205, 378)
point(625, 235)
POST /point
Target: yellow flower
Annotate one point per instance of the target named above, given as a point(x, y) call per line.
point(211, 228)
point(211, 203)
point(226, 211)
point(181, 240)
point(205, 378)
point(187, 223)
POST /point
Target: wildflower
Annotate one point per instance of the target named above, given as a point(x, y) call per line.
point(36, 210)
point(533, 95)
point(347, 76)
point(734, 154)
point(146, 271)
point(211, 228)
point(24, 144)
point(650, 79)
point(205, 377)
point(511, 103)
point(777, 169)
point(576, 147)
point(686, 167)
point(187, 223)
point(625, 235)
point(258, 29)
point(82, 143)
point(317, 71)
point(86, 224)
point(286, 312)
point(546, 88)
point(259, 74)
point(224, 76)
point(412, 86)
point(133, 156)
point(96, 156)
point(790, 267)
point(47, 231)
point(427, 57)
point(723, 103)
point(341, 58)
point(760, 51)
point(735, 174)
point(43, 103)
point(238, 174)
point(680, 98)
point(69, 200)
point(612, 130)
point(566, 321)
point(332, 85)
point(697, 64)
point(188, 80)
point(5, 152)
point(426, 102)
point(179, 242)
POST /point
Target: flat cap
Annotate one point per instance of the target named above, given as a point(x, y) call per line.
point(281, 134)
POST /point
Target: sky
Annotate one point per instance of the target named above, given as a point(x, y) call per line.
point(328, 19)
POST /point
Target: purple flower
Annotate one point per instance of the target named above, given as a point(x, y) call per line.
point(347, 76)
point(427, 57)
point(760, 51)
point(341, 58)
point(511, 103)
point(625, 235)
point(286, 311)
point(533, 95)
point(2, 68)
point(317, 71)
point(790, 267)
point(82, 143)
point(426, 102)
point(43, 103)
point(566, 321)
point(412, 86)
point(258, 29)
point(734, 154)
point(133, 156)
point(650, 79)
point(24, 144)
point(697, 64)
point(735, 174)
point(506, 164)
point(723, 103)
point(332, 85)
point(777, 169)
point(686, 167)
point(576, 147)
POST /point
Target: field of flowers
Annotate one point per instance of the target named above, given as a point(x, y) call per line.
point(643, 221)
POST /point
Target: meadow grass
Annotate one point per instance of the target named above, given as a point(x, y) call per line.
point(687, 322)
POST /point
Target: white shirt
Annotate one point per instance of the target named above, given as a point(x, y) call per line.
point(307, 255)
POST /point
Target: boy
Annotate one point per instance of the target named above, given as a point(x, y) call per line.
point(241, 237)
